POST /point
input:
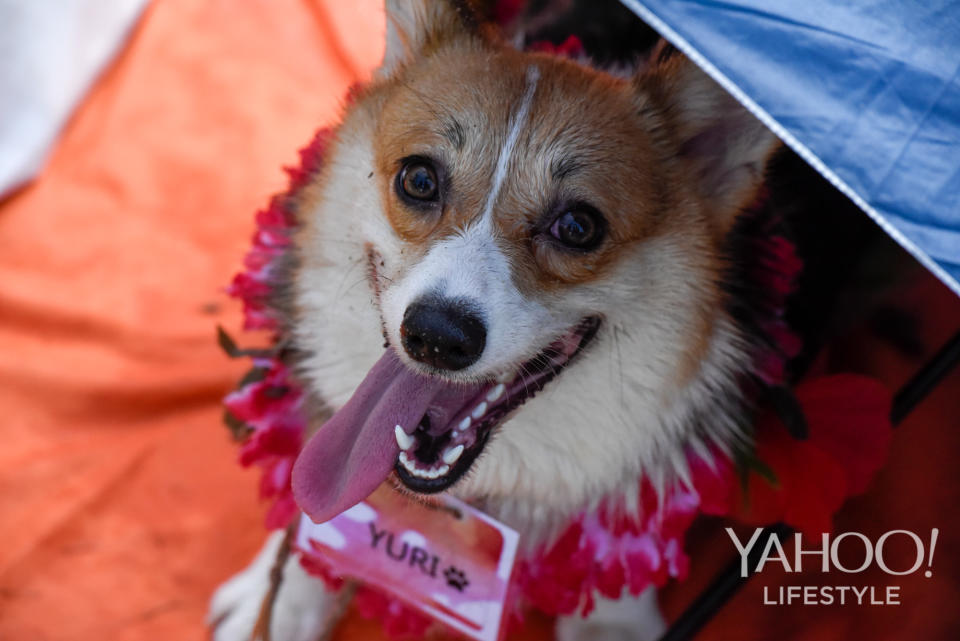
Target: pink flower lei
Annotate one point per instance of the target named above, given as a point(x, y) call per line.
point(611, 549)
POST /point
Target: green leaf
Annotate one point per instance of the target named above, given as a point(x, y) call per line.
point(255, 375)
point(239, 430)
point(229, 346)
point(748, 462)
point(764, 470)
point(226, 342)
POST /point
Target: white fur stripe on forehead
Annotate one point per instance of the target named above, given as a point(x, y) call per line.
point(506, 152)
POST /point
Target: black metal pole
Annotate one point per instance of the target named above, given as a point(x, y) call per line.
point(923, 382)
point(728, 580)
point(723, 587)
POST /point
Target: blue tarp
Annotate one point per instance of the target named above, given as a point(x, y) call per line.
point(867, 91)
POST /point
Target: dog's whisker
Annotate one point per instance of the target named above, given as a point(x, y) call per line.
point(340, 289)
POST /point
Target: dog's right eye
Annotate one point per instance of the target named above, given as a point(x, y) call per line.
point(579, 227)
point(417, 180)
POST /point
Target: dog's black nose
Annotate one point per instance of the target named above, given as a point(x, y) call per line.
point(444, 334)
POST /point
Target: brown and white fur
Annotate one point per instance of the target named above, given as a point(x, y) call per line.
point(664, 155)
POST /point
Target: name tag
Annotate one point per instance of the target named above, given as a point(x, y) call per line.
point(446, 559)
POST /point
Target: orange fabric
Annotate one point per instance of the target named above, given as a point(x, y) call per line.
point(121, 505)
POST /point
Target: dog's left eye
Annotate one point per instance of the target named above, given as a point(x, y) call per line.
point(579, 228)
point(418, 180)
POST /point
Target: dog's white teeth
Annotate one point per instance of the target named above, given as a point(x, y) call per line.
point(404, 440)
point(464, 424)
point(438, 472)
point(451, 455)
point(507, 377)
point(496, 392)
point(479, 410)
point(433, 473)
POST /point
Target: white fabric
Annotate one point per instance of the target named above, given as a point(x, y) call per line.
point(51, 51)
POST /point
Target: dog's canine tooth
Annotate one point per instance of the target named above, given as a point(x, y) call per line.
point(479, 410)
point(506, 377)
point(443, 469)
point(404, 440)
point(464, 424)
point(496, 392)
point(451, 455)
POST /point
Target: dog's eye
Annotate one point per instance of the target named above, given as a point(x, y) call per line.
point(418, 180)
point(578, 228)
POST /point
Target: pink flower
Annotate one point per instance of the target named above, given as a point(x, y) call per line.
point(611, 550)
point(399, 620)
point(316, 567)
point(272, 408)
point(271, 240)
point(311, 159)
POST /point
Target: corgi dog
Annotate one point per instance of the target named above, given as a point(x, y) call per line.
point(521, 257)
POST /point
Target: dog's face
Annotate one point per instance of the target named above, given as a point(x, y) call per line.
point(516, 224)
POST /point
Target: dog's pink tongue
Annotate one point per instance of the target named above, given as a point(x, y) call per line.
point(354, 451)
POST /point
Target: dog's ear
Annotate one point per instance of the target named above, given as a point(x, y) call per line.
point(414, 27)
point(725, 148)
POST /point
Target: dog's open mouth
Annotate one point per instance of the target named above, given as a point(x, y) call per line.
point(456, 426)
point(427, 429)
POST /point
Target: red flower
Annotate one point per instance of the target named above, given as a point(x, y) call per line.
point(506, 11)
point(572, 47)
point(849, 436)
